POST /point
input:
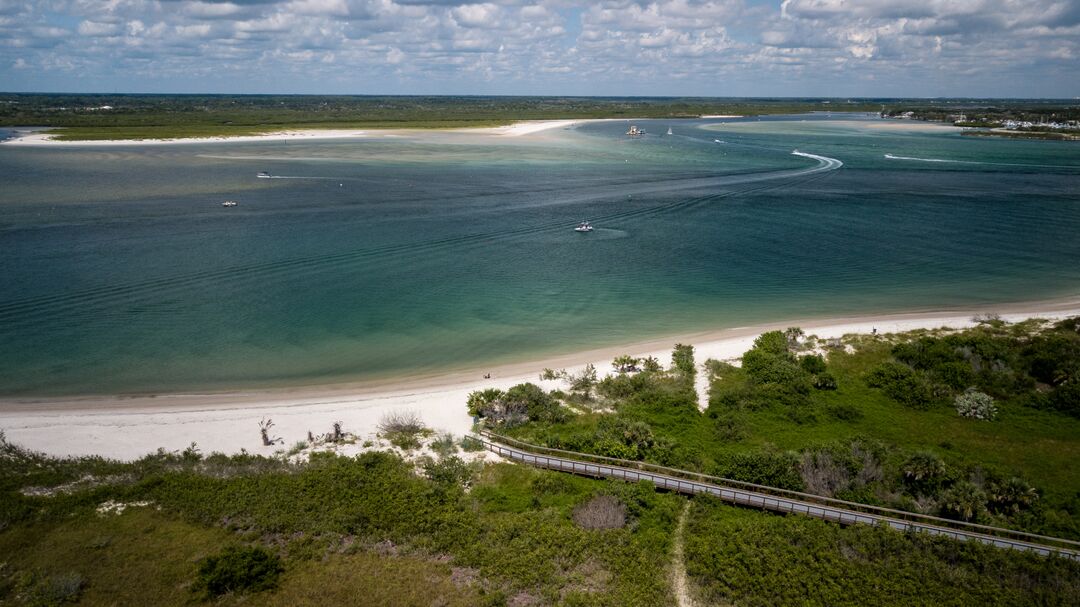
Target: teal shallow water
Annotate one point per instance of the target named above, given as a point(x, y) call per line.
point(121, 272)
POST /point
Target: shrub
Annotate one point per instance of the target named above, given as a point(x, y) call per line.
point(923, 472)
point(444, 445)
point(1011, 496)
point(601, 512)
point(235, 569)
point(471, 445)
point(773, 342)
point(822, 474)
point(482, 402)
point(762, 468)
point(449, 471)
point(956, 375)
point(963, 501)
point(902, 384)
point(682, 360)
point(975, 405)
point(536, 404)
point(825, 381)
point(846, 412)
point(812, 363)
point(61, 588)
point(402, 428)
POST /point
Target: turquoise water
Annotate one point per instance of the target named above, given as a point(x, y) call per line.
point(121, 271)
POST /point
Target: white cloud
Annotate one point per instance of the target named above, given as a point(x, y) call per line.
point(607, 46)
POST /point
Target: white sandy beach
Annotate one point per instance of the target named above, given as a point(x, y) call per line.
point(40, 139)
point(129, 427)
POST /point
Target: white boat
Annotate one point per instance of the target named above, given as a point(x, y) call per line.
point(229, 203)
point(263, 175)
point(669, 131)
point(634, 131)
point(584, 226)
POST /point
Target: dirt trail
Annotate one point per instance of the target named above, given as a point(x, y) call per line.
point(679, 583)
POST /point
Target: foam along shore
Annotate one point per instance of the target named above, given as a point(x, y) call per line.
point(517, 129)
point(128, 427)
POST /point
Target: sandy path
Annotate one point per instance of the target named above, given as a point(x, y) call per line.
point(680, 584)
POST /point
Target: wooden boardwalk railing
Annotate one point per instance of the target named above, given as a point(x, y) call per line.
point(771, 498)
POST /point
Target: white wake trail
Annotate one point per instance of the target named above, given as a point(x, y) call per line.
point(826, 163)
point(999, 164)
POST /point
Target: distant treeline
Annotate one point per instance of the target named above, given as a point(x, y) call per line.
point(118, 116)
point(276, 110)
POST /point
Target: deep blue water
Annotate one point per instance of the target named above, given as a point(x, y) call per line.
point(121, 271)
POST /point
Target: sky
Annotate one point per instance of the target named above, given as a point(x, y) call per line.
point(834, 48)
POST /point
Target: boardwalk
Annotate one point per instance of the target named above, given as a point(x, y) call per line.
point(769, 498)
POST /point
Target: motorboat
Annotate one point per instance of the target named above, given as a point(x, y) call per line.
point(229, 203)
point(263, 175)
point(634, 131)
point(584, 226)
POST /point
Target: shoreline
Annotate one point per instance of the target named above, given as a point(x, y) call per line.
point(128, 427)
point(35, 138)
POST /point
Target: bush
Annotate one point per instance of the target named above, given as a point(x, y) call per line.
point(902, 384)
point(601, 512)
point(975, 405)
point(956, 375)
point(449, 471)
point(762, 468)
point(402, 429)
point(846, 412)
point(236, 569)
point(963, 501)
point(812, 363)
point(924, 472)
point(825, 381)
point(482, 402)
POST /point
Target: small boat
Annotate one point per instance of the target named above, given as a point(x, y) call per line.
point(584, 226)
point(669, 131)
point(634, 131)
point(229, 203)
point(263, 175)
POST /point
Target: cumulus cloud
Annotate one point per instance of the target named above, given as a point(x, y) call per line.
point(706, 47)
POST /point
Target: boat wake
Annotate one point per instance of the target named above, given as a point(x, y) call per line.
point(1002, 164)
point(825, 163)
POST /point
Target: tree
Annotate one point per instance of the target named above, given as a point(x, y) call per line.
point(964, 501)
point(649, 364)
point(773, 342)
point(482, 403)
point(793, 335)
point(682, 359)
point(626, 364)
point(584, 382)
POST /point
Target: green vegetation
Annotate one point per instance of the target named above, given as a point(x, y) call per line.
point(84, 117)
point(238, 569)
point(898, 420)
point(836, 418)
point(499, 534)
point(736, 556)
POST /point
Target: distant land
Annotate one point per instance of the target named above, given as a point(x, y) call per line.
point(86, 117)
